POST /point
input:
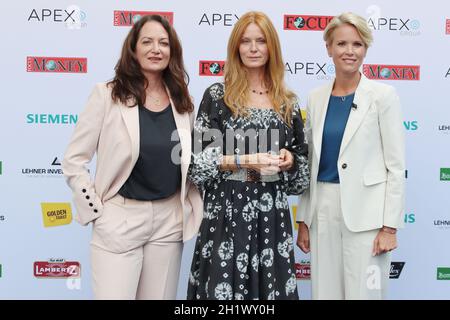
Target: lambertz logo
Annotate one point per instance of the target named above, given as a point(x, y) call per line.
point(222, 19)
point(47, 118)
point(391, 72)
point(53, 171)
point(128, 18)
point(72, 16)
point(411, 125)
point(57, 64)
point(56, 213)
point(443, 273)
point(305, 22)
point(447, 26)
point(303, 270)
point(57, 268)
point(396, 269)
point(445, 174)
point(211, 67)
point(319, 70)
point(406, 26)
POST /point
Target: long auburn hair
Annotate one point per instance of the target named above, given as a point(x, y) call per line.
point(235, 75)
point(129, 83)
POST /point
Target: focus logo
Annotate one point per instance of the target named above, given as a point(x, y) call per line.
point(57, 268)
point(305, 23)
point(396, 269)
point(57, 64)
point(303, 270)
point(447, 26)
point(128, 18)
point(391, 72)
point(211, 68)
point(56, 213)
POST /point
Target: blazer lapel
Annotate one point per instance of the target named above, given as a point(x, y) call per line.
point(362, 100)
point(320, 111)
point(130, 116)
point(184, 134)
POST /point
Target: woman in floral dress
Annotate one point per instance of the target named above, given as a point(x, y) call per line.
point(249, 155)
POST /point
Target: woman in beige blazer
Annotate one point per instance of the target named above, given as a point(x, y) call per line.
point(349, 215)
point(141, 205)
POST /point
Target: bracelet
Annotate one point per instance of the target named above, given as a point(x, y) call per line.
point(388, 230)
point(237, 161)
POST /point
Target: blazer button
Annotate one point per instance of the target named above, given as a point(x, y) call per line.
point(344, 166)
point(84, 190)
point(91, 204)
point(87, 197)
point(95, 210)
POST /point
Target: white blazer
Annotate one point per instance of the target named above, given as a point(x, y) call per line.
point(371, 162)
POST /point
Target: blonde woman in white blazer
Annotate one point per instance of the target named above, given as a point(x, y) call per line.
point(349, 216)
point(140, 203)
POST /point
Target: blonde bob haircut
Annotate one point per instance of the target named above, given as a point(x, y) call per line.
point(352, 19)
point(237, 86)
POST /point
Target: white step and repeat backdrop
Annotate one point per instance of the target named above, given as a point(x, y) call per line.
point(53, 52)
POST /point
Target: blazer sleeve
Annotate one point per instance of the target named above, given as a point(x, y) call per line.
point(304, 203)
point(80, 152)
point(393, 142)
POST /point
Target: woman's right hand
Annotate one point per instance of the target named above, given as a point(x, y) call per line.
point(264, 163)
point(303, 237)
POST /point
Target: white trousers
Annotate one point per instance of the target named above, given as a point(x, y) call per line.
point(342, 265)
point(136, 249)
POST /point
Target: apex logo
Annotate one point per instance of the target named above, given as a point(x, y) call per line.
point(54, 15)
point(211, 67)
point(56, 213)
point(396, 269)
point(305, 23)
point(447, 26)
point(57, 64)
point(225, 19)
point(303, 270)
point(393, 24)
point(56, 268)
point(128, 18)
point(391, 72)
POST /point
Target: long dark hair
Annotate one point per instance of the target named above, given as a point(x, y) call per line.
point(129, 83)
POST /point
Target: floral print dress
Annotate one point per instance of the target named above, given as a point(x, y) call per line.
point(244, 248)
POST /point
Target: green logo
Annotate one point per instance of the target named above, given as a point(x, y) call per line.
point(1, 168)
point(0, 270)
point(443, 273)
point(445, 174)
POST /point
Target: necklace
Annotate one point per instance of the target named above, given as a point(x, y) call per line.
point(343, 98)
point(260, 92)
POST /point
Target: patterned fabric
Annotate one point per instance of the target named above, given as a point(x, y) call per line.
point(244, 248)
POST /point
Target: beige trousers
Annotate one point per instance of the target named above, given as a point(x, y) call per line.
point(342, 265)
point(136, 249)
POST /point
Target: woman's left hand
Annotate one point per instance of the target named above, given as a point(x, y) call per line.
point(384, 242)
point(287, 160)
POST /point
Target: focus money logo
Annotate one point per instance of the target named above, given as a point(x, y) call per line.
point(57, 64)
point(128, 18)
point(211, 67)
point(305, 22)
point(56, 213)
point(57, 268)
point(391, 72)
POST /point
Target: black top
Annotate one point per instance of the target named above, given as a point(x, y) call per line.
point(155, 175)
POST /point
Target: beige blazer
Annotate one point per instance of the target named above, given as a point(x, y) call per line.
point(112, 131)
point(371, 161)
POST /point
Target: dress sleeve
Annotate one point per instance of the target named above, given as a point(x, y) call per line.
point(207, 143)
point(296, 179)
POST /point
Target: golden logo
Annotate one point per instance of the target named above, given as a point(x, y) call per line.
point(56, 213)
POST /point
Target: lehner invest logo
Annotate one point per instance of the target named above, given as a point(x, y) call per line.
point(128, 18)
point(211, 67)
point(445, 174)
point(391, 72)
point(57, 64)
point(305, 22)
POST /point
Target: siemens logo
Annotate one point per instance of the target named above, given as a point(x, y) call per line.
point(41, 118)
point(411, 125)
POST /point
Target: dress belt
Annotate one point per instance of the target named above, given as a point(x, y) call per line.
point(252, 176)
